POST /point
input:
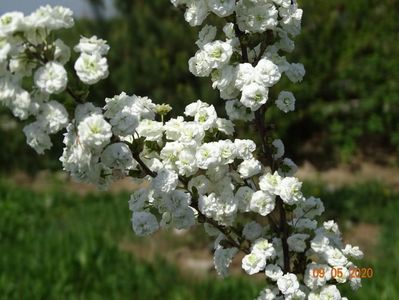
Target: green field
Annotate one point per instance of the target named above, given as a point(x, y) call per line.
point(60, 246)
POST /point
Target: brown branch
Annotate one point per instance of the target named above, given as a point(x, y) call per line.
point(146, 169)
point(267, 152)
point(241, 35)
point(285, 233)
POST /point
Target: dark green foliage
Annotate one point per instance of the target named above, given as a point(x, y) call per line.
point(348, 101)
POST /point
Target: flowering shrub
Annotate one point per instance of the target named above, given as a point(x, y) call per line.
point(198, 171)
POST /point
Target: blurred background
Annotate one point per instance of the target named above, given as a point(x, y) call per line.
point(62, 240)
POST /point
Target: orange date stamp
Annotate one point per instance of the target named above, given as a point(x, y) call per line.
point(340, 272)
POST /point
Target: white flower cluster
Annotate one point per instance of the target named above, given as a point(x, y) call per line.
point(25, 53)
point(91, 66)
point(27, 50)
point(196, 169)
point(247, 82)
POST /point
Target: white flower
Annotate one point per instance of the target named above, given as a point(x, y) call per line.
point(91, 68)
point(219, 53)
point(268, 73)
point(37, 138)
point(311, 208)
point(173, 128)
point(270, 182)
point(243, 198)
point(22, 105)
point(288, 284)
point(297, 295)
point(291, 19)
point(228, 151)
point(353, 251)
point(53, 116)
point(184, 218)
point(245, 75)
point(222, 259)
point(196, 12)
point(331, 226)
point(228, 30)
point(207, 117)
point(256, 261)
point(62, 53)
point(253, 263)
point(320, 243)
point(21, 67)
point(295, 72)
point(5, 48)
point(186, 162)
point(330, 292)
point(125, 112)
point(220, 208)
point(8, 89)
point(283, 3)
point(51, 78)
point(263, 247)
point(252, 231)
point(176, 200)
point(138, 199)
point(335, 257)
point(225, 126)
point(287, 167)
point(165, 181)
point(224, 80)
point(10, 23)
point(84, 110)
point(249, 168)
point(50, 18)
point(193, 108)
point(191, 134)
point(222, 8)
point(256, 17)
point(94, 131)
point(245, 148)
point(262, 202)
point(303, 224)
point(254, 96)
point(296, 242)
point(92, 45)
point(118, 156)
point(206, 35)
point(290, 190)
point(199, 65)
point(268, 294)
point(125, 122)
point(151, 130)
point(274, 272)
point(279, 149)
point(144, 223)
point(208, 155)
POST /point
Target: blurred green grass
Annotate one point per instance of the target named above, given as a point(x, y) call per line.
point(60, 246)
